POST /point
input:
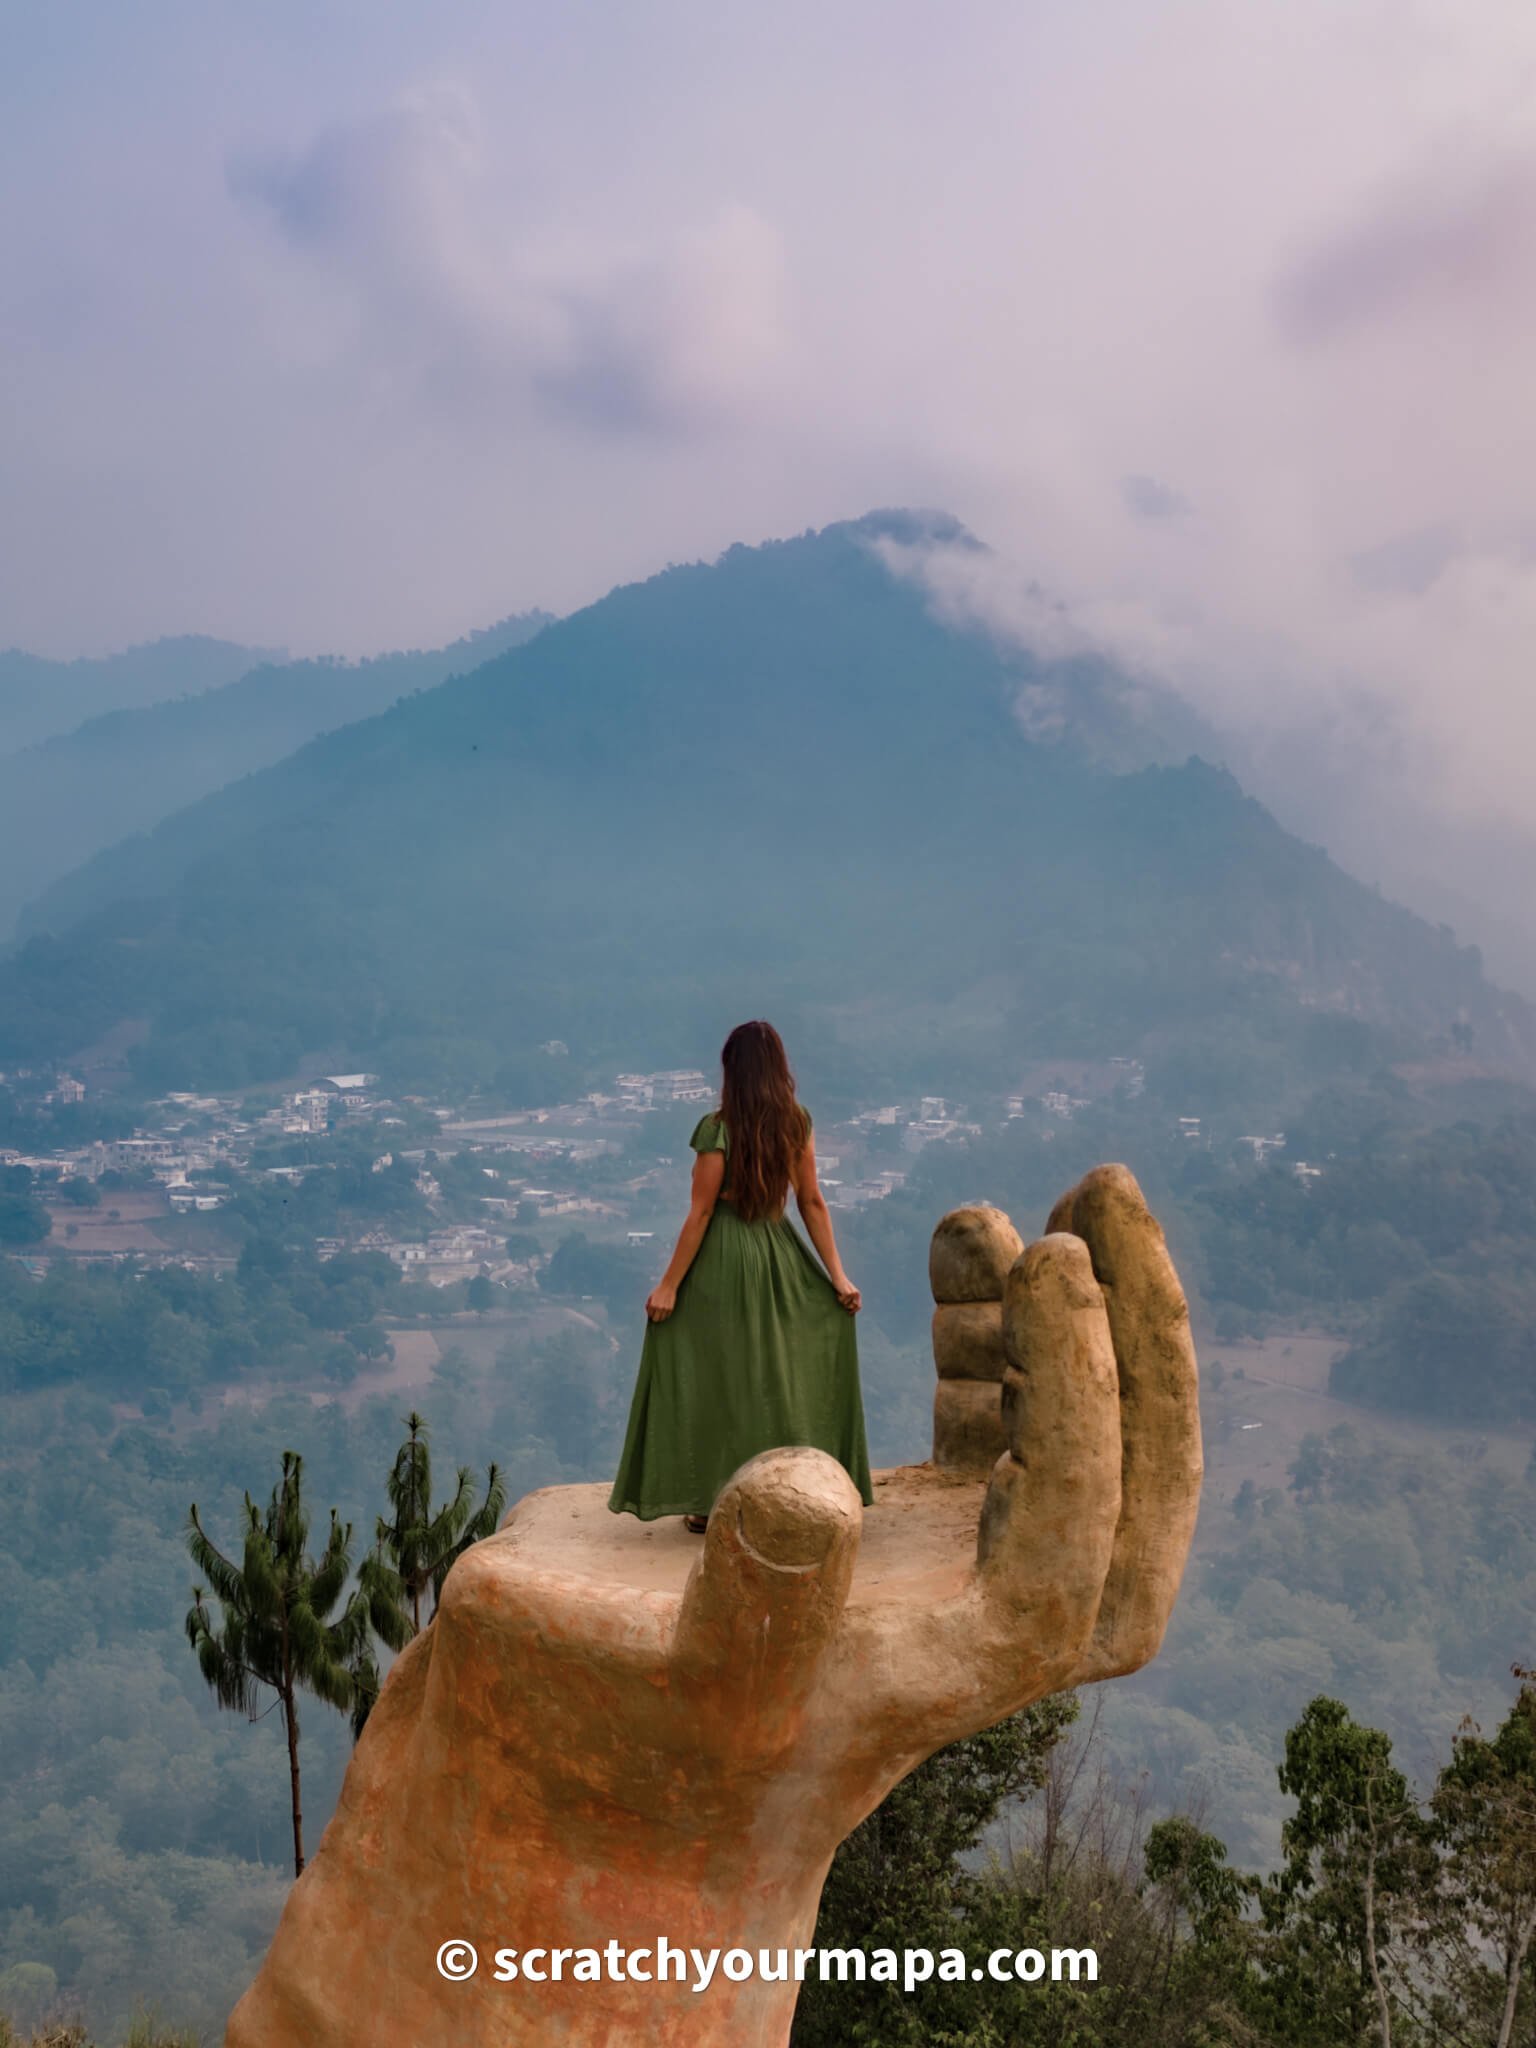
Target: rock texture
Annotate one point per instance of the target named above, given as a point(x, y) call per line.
point(612, 1732)
point(971, 1254)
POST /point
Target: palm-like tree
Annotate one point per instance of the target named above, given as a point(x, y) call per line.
point(419, 1547)
point(275, 1627)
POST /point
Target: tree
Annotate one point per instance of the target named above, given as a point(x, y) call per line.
point(1484, 1806)
point(1358, 1863)
point(23, 1220)
point(896, 1882)
point(421, 1546)
point(482, 1294)
point(274, 1627)
point(1195, 1904)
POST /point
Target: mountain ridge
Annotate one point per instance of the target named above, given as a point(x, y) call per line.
point(776, 779)
point(122, 771)
point(41, 697)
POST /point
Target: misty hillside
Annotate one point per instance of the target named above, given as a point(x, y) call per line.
point(125, 770)
point(776, 785)
point(39, 697)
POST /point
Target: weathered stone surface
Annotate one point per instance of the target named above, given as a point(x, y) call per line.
point(1159, 1401)
point(967, 1425)
point(970, 1253)
point(968, 1340)
point(615, 1733)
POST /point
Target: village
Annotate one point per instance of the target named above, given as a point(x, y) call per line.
point(489, 1194)
point(487, 1181)
point(497, 1189)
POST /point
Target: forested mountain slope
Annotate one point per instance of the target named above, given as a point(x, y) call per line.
point(40, 697)
point(775, 784)
point(125, 770)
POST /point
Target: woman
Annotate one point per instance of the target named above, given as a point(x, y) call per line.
point(749, 1343)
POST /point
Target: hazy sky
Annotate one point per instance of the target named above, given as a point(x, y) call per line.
point(352, 325)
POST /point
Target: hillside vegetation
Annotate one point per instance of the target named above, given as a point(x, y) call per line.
point(776, 784)
point(40, 697)
point(124, 770)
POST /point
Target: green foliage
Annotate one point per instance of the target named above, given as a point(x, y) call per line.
point(144, 2031)
point(617, 1275)
point(1484, 1809)
point(1431, 1233)
point(420, 1546)
point(275, 1628)
point(22, 1220)
point(897, 1881)
point(1357, 1853)
point(122, 1328)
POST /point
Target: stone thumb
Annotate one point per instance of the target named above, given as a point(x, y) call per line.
point(767, 1591)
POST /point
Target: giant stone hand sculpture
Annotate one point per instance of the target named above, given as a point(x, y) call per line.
point(613, 1733)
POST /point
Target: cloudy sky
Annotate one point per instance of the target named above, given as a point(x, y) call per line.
point(354, 324)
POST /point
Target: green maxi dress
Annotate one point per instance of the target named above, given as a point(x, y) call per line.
point(758, 1352)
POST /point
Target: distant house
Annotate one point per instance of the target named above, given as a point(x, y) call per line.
point(1262, 1147)
point(349, 1090)
point(314, 1108)
point(925, 1130)
point(129, 1154)
point(1057, 1102)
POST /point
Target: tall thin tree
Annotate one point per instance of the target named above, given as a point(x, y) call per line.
point(421, 1546)
point(275, 1625)
point(1485, 1812)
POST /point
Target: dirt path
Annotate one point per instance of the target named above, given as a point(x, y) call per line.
point(1274, 1392)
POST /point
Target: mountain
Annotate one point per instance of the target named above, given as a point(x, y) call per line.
point(124, 771)
point(39, 697)
point(777, 785)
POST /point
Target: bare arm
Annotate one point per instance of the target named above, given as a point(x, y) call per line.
point(817, 1218)
point(708, 1173)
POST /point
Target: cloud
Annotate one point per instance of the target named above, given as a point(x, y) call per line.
point(1455, 238)
point(1214, 322)
point(676, 339)
point(664, 339)
point(377, 194)
point(1145, 498)
point(1408, 562)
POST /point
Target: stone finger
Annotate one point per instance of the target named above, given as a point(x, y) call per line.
point(1161, 1457)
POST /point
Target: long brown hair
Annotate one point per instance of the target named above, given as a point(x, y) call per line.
point(767, 1126)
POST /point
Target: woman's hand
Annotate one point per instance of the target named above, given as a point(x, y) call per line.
point(848, 1295)
point(660, 1302)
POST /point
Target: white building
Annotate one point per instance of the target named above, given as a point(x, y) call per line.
point(1262, 1147)
point(314, 1109)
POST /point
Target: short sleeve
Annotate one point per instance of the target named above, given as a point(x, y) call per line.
point(708, 1134)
